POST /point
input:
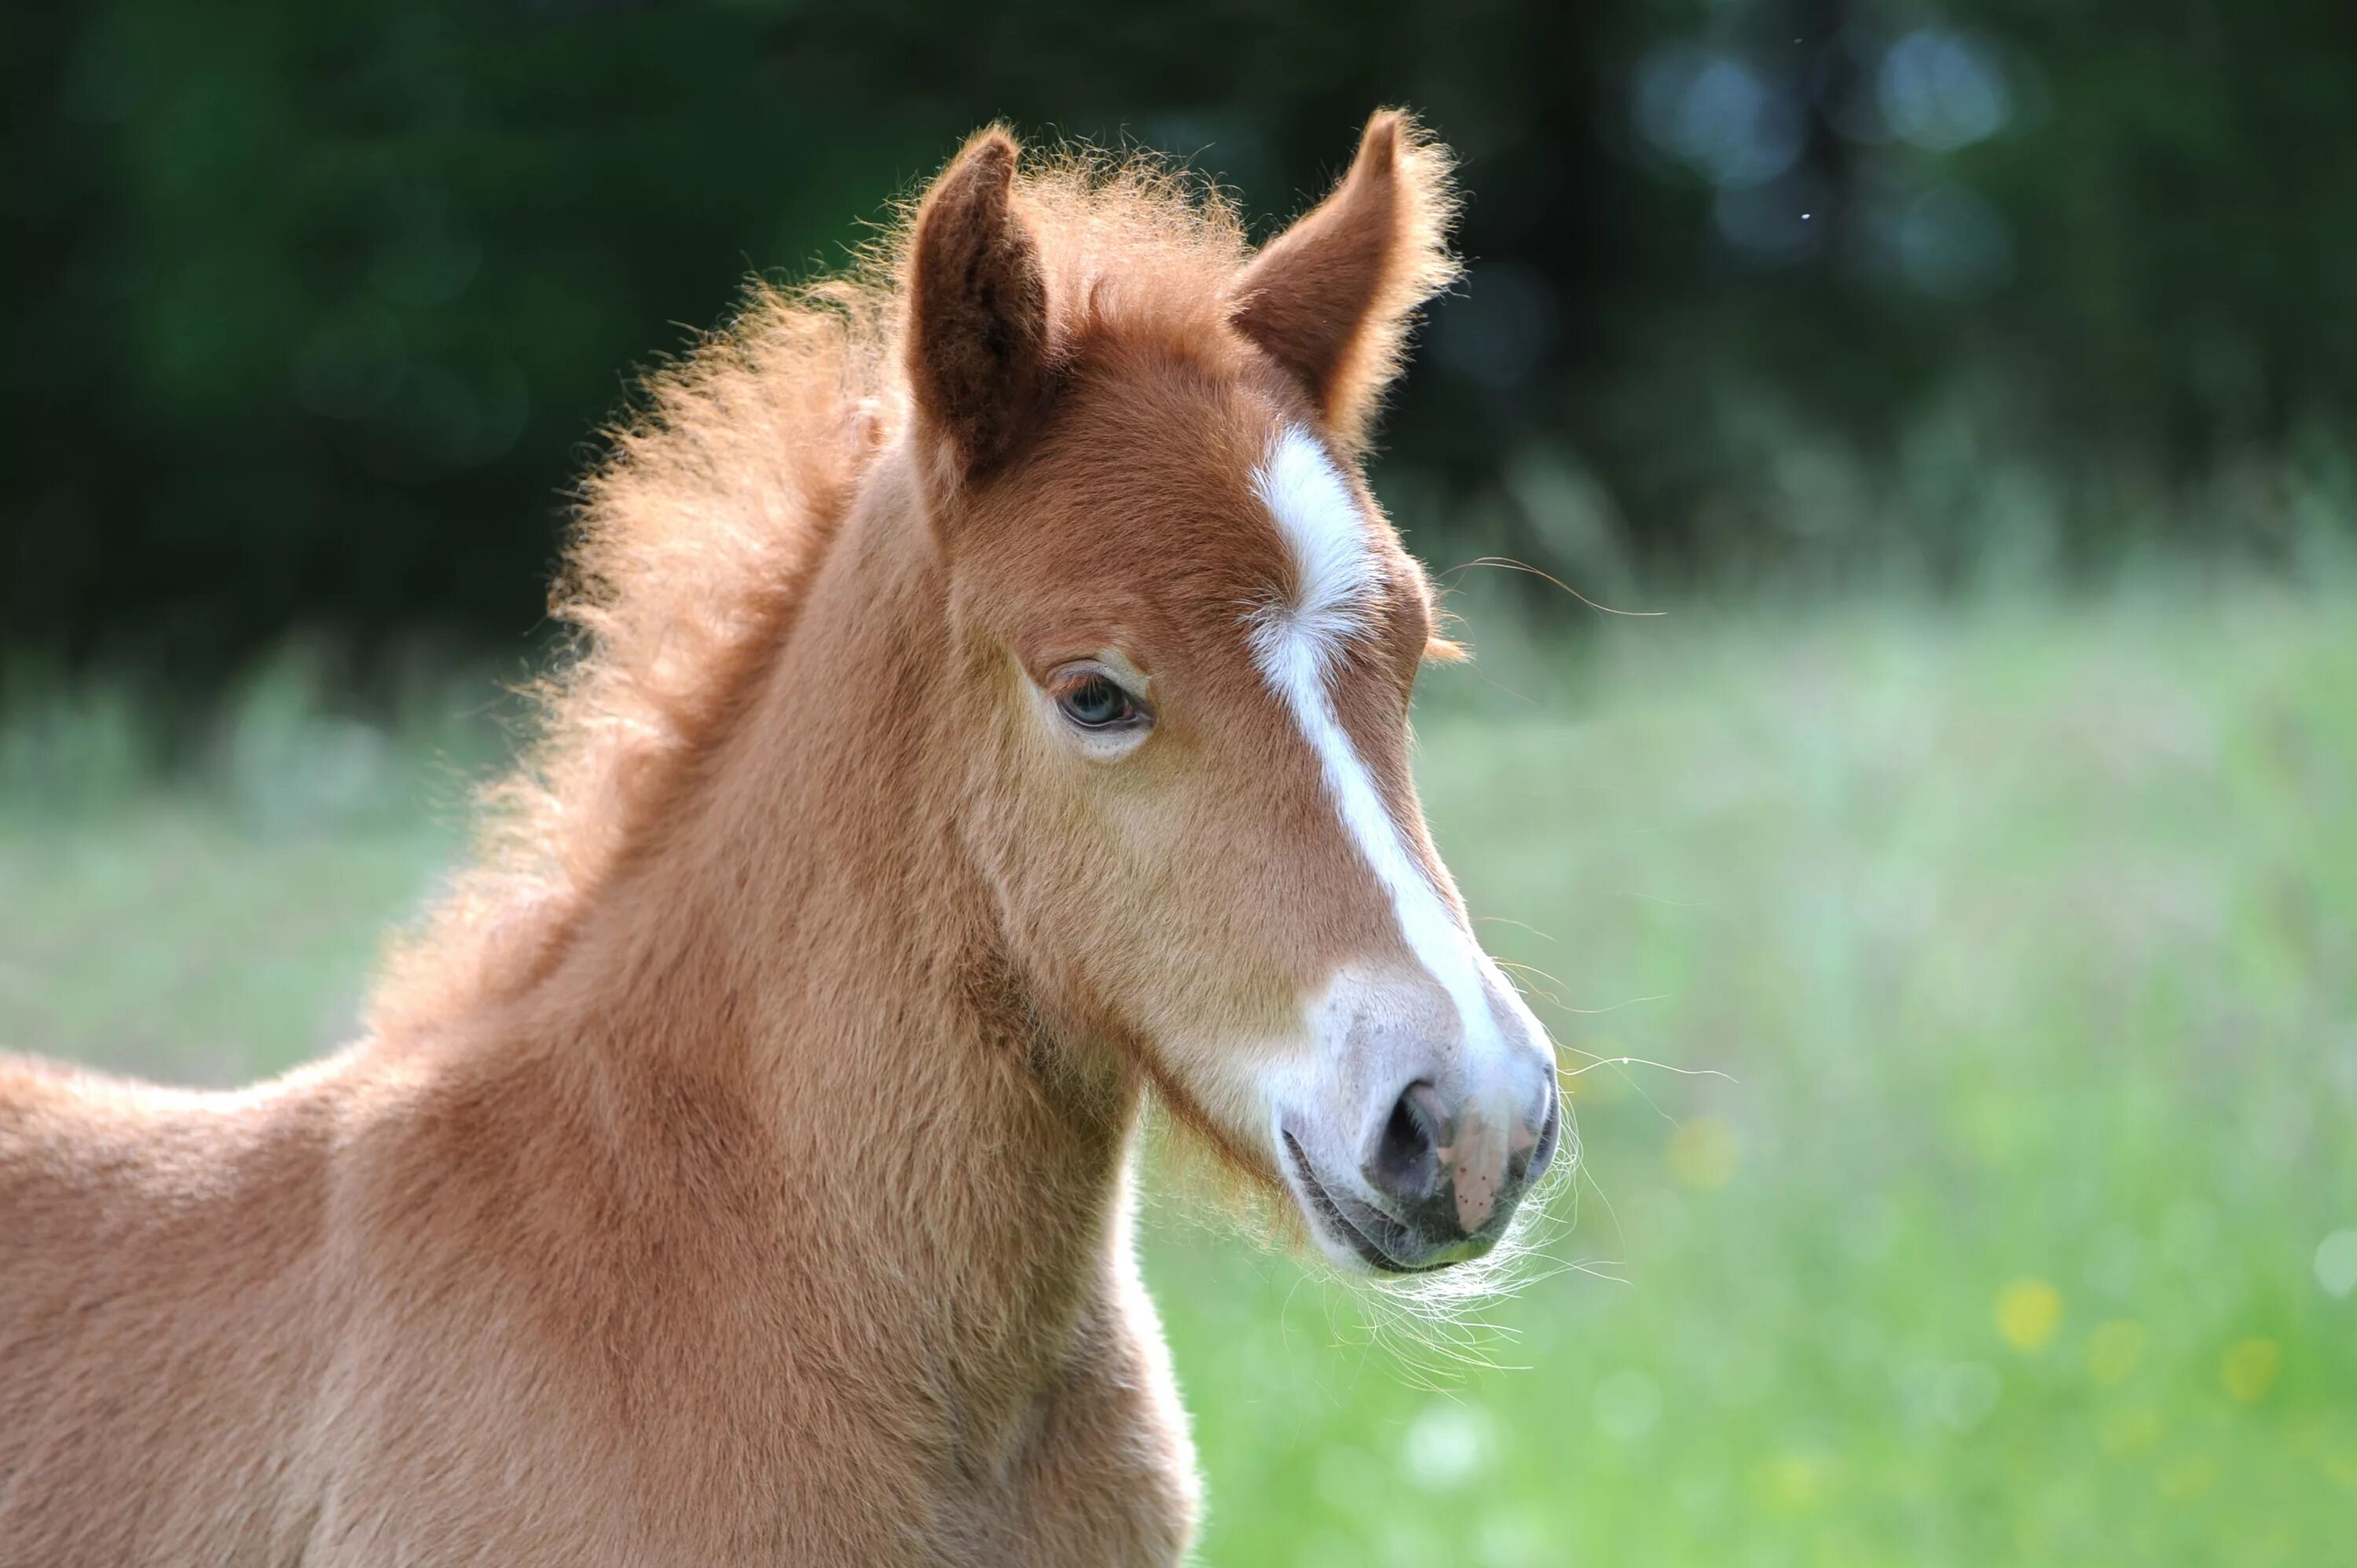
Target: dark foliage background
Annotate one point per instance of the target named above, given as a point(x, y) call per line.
point(312, 310)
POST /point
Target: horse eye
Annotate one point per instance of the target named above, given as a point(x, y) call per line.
point(1096, 701)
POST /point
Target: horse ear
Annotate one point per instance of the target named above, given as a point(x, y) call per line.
point(979, 365)
point(1332, 297)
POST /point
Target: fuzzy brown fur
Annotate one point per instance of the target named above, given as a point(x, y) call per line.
point(735, 1166)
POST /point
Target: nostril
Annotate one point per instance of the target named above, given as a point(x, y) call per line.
point(1407, 1162)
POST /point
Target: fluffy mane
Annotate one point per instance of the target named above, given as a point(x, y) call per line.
point(695, 535)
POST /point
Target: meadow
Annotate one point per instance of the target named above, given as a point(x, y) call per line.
point(1980, 1187)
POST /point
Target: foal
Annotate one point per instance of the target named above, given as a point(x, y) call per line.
point(994, 709)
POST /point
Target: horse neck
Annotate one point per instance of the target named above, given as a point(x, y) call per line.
point(802, 939)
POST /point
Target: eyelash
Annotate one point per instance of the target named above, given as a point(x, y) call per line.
point(1096, 703)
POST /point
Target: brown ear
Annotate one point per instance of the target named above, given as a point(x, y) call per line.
point(1331, 298)
point(977, 342)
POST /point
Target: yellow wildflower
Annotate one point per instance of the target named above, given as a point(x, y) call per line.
point(2248, 1370)
point(2028, 1311)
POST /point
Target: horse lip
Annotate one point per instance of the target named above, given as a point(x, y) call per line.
point(1327, 1207)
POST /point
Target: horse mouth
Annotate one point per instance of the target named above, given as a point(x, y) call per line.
point(1364, 1233)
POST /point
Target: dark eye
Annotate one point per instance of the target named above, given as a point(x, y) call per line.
point(1094, 702)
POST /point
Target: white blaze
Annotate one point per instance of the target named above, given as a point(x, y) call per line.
point(1295, 645)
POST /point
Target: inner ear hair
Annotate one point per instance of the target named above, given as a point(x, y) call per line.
point(980, 369)
point(1333, 297)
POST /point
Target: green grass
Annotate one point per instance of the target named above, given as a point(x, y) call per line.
point(2019, 1228)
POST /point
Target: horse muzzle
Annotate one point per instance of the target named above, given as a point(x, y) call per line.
point(1423, 1134)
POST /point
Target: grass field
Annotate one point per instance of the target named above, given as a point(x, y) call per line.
point(2021, 1227)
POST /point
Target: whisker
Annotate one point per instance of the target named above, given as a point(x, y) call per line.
point(1616, 1066)
point(1641, 1061)
point(1509, 963)
point(1509, 921)
point(1523, 985)
point(1583, 1172)
point(1506, 564)
point(1600, 1011)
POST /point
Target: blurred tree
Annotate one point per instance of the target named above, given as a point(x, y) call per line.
point(313, 308)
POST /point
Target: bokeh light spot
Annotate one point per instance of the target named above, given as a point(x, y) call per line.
point(1703, 1153)
point(1952, 243)
point(1446, 1444)
point(1729, 121)
point(1627, 1405)
point(2248, 1370)
point(1942, 90)
point(2028, 1313)
point(2336, 1262)
point(1795, 1482)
